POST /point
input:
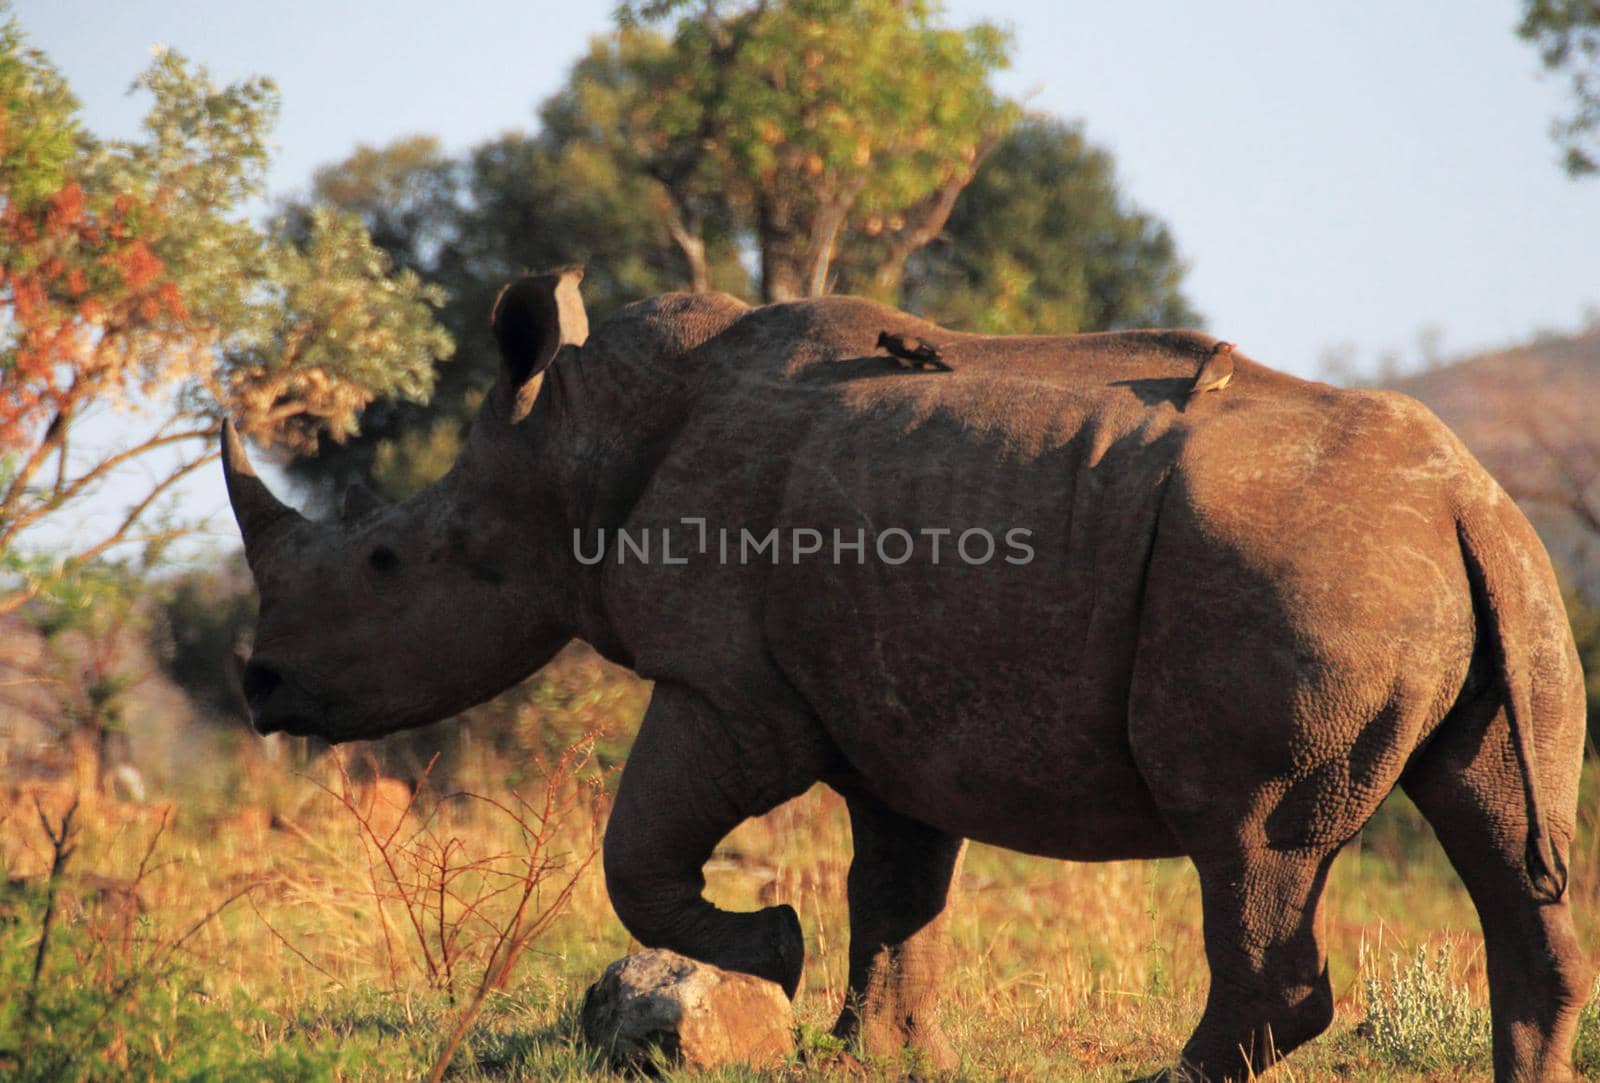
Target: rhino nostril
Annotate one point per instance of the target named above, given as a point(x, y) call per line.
point(258, 682)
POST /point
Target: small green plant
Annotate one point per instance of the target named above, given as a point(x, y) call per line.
point(1160, 983)
point(818, 1045)
point(1421, 1018)
point(1586, 1051)
point(109, 997)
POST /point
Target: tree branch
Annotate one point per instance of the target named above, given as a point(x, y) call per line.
point(120, 535)
point(53, 435)
point(935, 212)
point(15, 523)
point(690, 242)
point(673, 173)
point(14, 601)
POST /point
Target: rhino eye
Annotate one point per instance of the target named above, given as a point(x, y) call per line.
point(383, 559)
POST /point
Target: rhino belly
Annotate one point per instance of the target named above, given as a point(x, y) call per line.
point(961, 699)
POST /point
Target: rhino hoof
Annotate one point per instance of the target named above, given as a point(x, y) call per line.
point(658, 1007)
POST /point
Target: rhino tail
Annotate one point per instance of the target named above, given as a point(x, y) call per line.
point(1501, 603)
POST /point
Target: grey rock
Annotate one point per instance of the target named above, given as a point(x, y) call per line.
point(658, 1004)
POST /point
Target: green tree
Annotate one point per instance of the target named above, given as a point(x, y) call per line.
point(815, 123)
point(1567, 35)
point(132, 279)
point(406, 194)
point(1043, 242)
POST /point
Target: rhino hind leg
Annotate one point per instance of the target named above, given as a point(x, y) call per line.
point(899, 898)
point(1269, 990)
point(1538, 977)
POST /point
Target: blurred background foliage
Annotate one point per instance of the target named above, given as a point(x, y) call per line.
point(140, 304)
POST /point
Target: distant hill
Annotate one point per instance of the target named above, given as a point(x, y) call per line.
point(1519, 410)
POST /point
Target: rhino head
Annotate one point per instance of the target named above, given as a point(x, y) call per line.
point(391, 616)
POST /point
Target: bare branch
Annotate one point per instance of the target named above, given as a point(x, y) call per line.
point(120, 535)
point(62, 844)
point(18, 522)
point(19, 483)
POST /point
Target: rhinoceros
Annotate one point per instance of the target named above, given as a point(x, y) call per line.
point(1044, 600)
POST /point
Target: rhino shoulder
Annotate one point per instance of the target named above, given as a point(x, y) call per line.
point(670, 327)
point(793, 337)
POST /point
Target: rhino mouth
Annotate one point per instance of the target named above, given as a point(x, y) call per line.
point(279, 704)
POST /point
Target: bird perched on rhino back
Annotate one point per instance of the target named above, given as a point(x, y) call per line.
point(1217, 371)
point(912, 353)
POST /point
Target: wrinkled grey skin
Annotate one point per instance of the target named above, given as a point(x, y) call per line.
point(1248, 617)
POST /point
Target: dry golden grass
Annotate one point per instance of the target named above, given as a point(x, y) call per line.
point(1060, 971)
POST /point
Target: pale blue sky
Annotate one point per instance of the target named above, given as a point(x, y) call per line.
point(1333, 173)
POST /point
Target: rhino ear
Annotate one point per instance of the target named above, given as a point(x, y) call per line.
point(533, 318)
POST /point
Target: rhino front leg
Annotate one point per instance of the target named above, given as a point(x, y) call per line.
point(691, 778)
point(899, 890)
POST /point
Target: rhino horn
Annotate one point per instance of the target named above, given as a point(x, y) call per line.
point(257, 511)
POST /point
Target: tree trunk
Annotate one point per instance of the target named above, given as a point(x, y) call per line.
point(84, 752)
point(693, 246)
point(782, 277)
point(825, 239)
